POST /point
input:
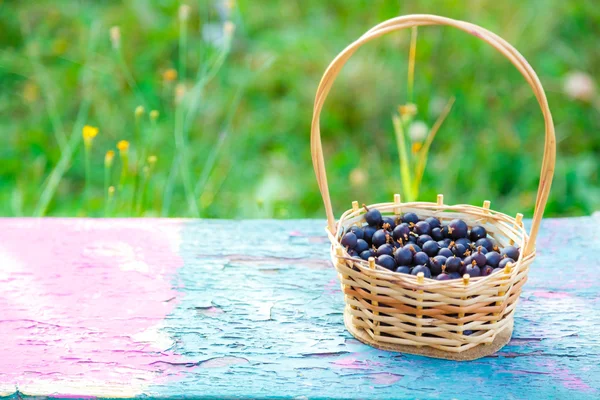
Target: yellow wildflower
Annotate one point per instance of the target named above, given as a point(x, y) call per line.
point(154, 115)
point(152, 160)
point(179, 92)
point(108, 158)
point(89, 133)
point(407, 109)
point(111, 190)
point(139, 111)
point(416, 147)
point(123, 146)
point(170, 75)
point(184, 12)
point(115, 37)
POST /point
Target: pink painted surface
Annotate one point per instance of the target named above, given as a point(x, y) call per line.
point(95, 293)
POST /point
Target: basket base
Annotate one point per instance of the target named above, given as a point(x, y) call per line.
point(471, 354)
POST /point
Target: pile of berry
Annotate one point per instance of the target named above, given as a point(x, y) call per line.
point(410, 245)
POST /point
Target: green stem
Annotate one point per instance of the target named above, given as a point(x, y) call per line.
point(404, 160)
point(88, 167)
point(64, 162)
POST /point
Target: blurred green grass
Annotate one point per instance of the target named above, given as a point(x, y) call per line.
point(247, 147)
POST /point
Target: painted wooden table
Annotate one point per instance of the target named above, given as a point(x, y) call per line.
point(185, 308)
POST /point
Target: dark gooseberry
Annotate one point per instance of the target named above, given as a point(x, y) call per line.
point(446, 252)
point(401, 232)
point(436, 234)
point(493, 259)
point(423, 269)
point(385, 249)
point(457, 228)
point(403, 256)
point(389, 223)
point(421, 258)
point(360, 234)
point(473, 270)
point(436, 264)
point(386, 262)
point(369, 231)
point(458, 250)
point(453, 264)
point(468, 260)
point(374, 218)
point(421, 240)
point(433, 222)
point(504, 261)
point(412, 247)
point(410, 218)
point(479, 257)
point(431, 248)
point(477, 232)
point(361, 246)
point(485, 242)
point(510, 252)
point(465, 242)
point(422, 228)
point(487, 270)
point(403, 269)
point(365, 255)
point(349, 240)
point(443, 277)
point(455, 275)
point(412, 239)
point(380, 237)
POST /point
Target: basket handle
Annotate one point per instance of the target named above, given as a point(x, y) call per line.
point(495, 41)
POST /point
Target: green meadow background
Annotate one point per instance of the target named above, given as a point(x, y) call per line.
point(233, 85)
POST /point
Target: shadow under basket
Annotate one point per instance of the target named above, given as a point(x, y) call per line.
point(460, 319)
point(444, 319)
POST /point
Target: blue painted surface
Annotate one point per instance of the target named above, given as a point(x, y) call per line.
point(255, 311)
point(276, 327)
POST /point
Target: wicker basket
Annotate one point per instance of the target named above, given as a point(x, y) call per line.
point(412, 314)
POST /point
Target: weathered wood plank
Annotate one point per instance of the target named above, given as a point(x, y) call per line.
point(170, 308)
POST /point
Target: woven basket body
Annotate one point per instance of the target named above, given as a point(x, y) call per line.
point(459, 319)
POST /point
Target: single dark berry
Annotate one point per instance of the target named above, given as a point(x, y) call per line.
point(421, 240)
point(436, 264)
point(459, 250)
point(385, 249)
point(352, 253)
point(349, 240)
point(403, 256)
point(485, 242)
point(468, 332)
point(374, 218)
point(389, 223)
point(421, 258)
point(423, 269)
point(457, 228)
point(436, 234)
point(479, 257)
point(493, 259)
point(445, 243)
point(446, 252)
point(431, 248)
point(360, 234)
point(361, 246)
point(477, 232)
point(412, 247)
point(481, 249)
point(446, 232)
point(380, 237)
point(403, 269)
point(433, 222)
point(410, 218)
point(453, 264)
point(455, 275)
point(487, 270)
point(466, 242)
point(386, 262)
point(473, 270)
point(422, 228)
point(468, 260)
point(365, 255)
point(369, 231)
point(510, 252)
point(401, 232)
point(412, 239)
point(504, 261)
point(443, 277)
